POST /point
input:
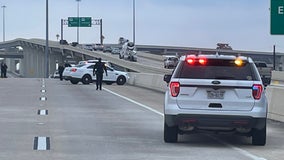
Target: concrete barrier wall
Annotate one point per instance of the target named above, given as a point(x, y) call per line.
point(148, 80)
point(274, 92)
point(275, 96)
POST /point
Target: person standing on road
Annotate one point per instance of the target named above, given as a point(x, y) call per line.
point(67, 64)
point(99, 69)
point(60, 71)
point(3, 70)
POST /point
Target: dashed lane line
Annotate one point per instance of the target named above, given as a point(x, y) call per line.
point(41, 143)
point(42, 112)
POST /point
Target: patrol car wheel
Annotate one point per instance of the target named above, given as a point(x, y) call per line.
point(87, 79)
point(121, 80)
point(170, 134)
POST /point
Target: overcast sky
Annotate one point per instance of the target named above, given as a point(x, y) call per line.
point(244, 24)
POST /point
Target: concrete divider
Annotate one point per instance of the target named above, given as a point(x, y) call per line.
point(148, 80)
point(274, 92)
point(275, 96)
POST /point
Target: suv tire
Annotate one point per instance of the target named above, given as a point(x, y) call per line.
point(170, 134)
point(259, 136)
point(86, 79)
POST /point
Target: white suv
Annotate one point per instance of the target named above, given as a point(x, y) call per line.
point(84, 73)
point(215, 93)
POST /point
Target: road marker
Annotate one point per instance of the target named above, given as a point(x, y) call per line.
point(42, 112)
point(43, 98)
point(41, 143)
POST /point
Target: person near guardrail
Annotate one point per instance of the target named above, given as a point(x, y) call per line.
point(98, 70)
point(3, 70)
point(60, 71)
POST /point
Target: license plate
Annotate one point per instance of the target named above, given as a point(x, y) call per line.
point(215, 94)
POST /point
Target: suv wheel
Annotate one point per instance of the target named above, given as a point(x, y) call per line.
point(170, 134)
point(86, 79)
point(74, 81)
point(259, 136)
point(121, 80)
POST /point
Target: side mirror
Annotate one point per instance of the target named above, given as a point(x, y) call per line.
point(167, 78)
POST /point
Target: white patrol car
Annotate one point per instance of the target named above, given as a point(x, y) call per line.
point(215, 93)
point(66, 73)
point(84, 73)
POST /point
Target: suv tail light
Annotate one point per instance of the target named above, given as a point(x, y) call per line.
point(174, 87)
point(256, 91)
point(73, 70)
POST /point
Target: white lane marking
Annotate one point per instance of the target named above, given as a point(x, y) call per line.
point(43, 98)
point(243, 152)
point(42, 143)
point(137, 103)
point(42, 112)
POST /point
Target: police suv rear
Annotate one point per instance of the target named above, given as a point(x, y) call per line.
point(217, 93)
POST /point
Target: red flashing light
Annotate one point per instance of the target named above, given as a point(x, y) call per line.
point(73, 70)
point(256, 91)
point(175, 88)
point(202, 61)
point(191, 59)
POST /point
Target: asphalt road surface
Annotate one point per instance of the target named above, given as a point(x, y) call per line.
point(55, 120)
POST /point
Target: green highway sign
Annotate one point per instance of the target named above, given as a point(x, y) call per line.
point(79, 22)
point(277, 17)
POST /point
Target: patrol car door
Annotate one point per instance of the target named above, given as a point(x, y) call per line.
point(110, 75)
point(90, 71)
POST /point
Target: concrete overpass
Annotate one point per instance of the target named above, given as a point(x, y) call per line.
point(32, 53)
point(28, 54)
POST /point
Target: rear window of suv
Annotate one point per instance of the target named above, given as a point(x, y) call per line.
point(216, 69)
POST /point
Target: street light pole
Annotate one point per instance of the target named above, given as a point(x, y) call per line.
point(46, 44)
point(133, 21)
point(78, 20)
point(3, 22)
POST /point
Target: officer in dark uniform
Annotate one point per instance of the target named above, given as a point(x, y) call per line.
point(3, 70)
point(60, 71)
point(99, 69)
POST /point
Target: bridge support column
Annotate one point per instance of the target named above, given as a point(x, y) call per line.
point(11, 64)
point(55, 59)
point(33, 63)
point(281, 63)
